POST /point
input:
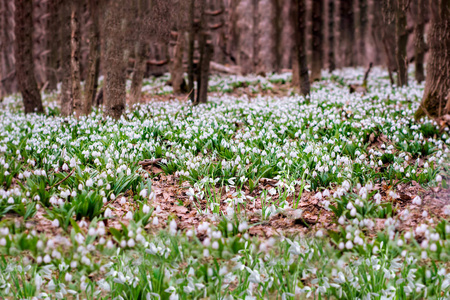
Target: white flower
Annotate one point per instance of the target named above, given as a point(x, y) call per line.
point(55, 223)
point(417, 200)
point(107, 213)
point(131, 243)
point(129, 216)
point(438, 178)
point(68, 277)
point(146, 209)
point(89, 182)
point(349, 245)
point(143, 193)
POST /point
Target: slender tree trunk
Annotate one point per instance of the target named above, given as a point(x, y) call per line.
point(299, 21)
point(177, 71)
point(205, 60)
point(90, 89)
point(206, 52)
point(140, 62)
point(66, 85)
point(8, 74)
point(115, 61)
point(347, 32)
point(317, 40)
point(52, 44)
point(140, 65)
point(191, 45)
point(24, 56)
point(436, 97)
point(331, 45)
point(362, 30)
point(402, 41)
point(75, 59)
point(419, 11)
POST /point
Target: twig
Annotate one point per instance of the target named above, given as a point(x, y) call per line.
point(61, 181)
point(150, 162)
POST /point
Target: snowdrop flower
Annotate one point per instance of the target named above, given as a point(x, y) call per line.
point(68, 277)
point(146, 209)
point(55, 223)
point(243, 226)
point(417, 200)
point(155, 221)
point(143, 193)
point(129, 215)
point(107, 213)
point(131, 243)
point(438, 178)
point(349, 245)
point(173, 227)
point(319, 234)
point(89, 182)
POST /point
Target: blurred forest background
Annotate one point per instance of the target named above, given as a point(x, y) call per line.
point(49, 42)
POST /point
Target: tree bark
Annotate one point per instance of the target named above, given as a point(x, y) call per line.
point(53, 44)
point(115, 61)
point(191, 45)
point(419, 12)
point(91, 84)
point(75, 59)
point(331, 58)
point(177, 71)
point(362, 30)
point(140, 62)
point(8, 76)
point(347, 32)
point(317, 40)
point(436, 97)
point(402, 40)
point(299, 21)
point(23, 18)
point(66, 85)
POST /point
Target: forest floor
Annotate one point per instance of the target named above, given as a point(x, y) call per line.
point(260, 193)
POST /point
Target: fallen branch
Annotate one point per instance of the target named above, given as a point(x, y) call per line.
point(150, 162)
point(61, 181)
point(224, 69)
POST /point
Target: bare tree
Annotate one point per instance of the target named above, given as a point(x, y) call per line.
point(23, 51)
point(141, 49)
point(298, 19)
point(8, 82)
point(116, 58)
point(75, 58)
point(401, 35)
point(93, 68)
point(317, 40)
point(65, 52)
point(419, 10)
point(331, 44)
point(347, 32)
point(436, 97)
point(52, 43)
point(363, 21)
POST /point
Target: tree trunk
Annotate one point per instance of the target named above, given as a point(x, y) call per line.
point(23, 18)
point(75, 59)
point(140, 65)
point(191, 45)
point(205, 59)
point(299, 21)
point(91, 84)
point(331, 58)
point(317, 40)
point(419, 12)
point(177, 71)
point(206, 52)
point(52, 44)
point(347, 32)
point(436, 97)
point(8, 78)
point(362, 31)
point(140, 62)
point(402, 41)
point(66, 85)
point(115, 61)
